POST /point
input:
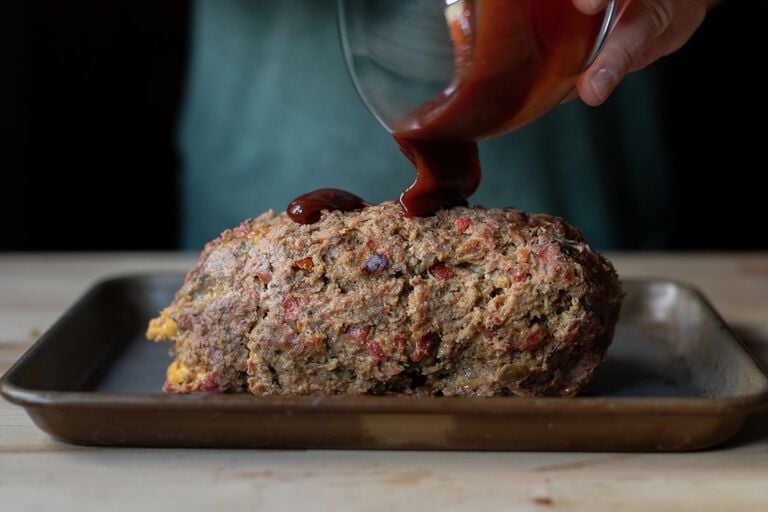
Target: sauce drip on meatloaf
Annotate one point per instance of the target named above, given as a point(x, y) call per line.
point(467, 302)
point(306, 208)
point(514, 60)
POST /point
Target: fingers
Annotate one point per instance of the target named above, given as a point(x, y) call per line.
point(646, 30)
point(590, 6)
point(633, 33)
point(690, 16)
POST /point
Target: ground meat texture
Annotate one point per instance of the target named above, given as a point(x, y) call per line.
point(470, 301)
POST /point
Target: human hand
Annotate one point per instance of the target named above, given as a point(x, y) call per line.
point(646, 30)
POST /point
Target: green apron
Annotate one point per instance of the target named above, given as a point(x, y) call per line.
point(270, 112)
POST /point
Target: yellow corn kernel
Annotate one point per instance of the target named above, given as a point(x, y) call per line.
point(162, 327)
point(259, 232)
point(178, 373)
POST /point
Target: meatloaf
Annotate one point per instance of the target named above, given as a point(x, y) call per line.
point(470, 301)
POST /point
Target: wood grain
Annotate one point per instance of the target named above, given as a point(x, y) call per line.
point(37, 472)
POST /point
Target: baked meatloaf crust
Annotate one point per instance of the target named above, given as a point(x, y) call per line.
point(470, 301)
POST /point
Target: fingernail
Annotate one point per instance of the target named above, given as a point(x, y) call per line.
point(603, 82)
point(595, 5)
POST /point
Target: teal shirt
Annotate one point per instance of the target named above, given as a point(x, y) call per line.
point(270, 112)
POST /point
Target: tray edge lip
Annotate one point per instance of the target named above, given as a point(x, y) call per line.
point(352, 404)
point(44, 399)
point(724, 326)
point(21, 395)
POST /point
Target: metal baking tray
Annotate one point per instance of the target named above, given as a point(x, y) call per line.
point(675, 379)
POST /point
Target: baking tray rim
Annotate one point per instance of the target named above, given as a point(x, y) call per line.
point(355, 404)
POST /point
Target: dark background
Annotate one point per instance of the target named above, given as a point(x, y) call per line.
point(91, 89)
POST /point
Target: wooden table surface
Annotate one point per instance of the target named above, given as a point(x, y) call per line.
point(39, 473)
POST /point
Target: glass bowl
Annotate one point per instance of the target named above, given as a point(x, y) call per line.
point(501, 63)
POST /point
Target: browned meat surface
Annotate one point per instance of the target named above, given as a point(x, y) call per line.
point(467, 302)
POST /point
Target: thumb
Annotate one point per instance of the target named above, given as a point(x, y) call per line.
point(626, 48)
point(590, 6)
